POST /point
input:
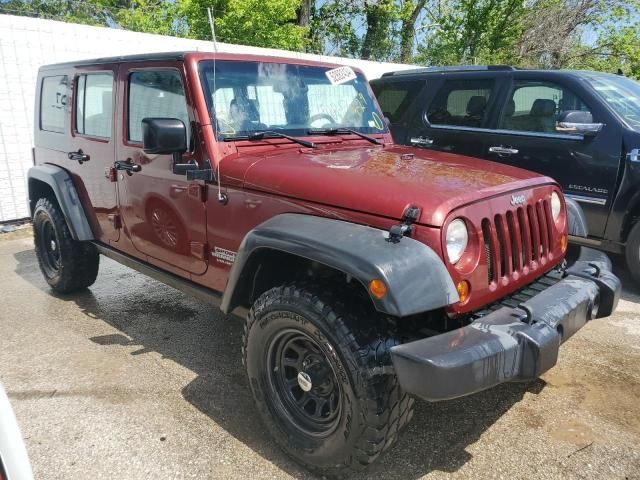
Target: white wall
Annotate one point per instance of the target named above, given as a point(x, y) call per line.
point(26, 43)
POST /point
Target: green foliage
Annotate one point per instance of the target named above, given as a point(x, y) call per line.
point(263, 23)
point(591, 34)
point(473, 31)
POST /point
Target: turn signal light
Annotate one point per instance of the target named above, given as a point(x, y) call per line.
point(463, 289)
point(563, 243)
point(377, 288)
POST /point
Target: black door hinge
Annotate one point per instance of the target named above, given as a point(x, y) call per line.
point(409, 217)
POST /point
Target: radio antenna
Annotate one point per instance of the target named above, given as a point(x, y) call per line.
point(222, 198)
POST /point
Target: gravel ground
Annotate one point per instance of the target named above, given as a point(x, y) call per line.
point(132, 379)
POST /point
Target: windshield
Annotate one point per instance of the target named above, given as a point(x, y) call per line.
point(621, 93)
point(247, 97)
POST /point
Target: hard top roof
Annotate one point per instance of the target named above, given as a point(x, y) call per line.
point(470, 69)
point(182, 55)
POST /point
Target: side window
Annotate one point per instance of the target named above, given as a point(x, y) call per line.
point(461, 103)
point(155, 94)
point(396, 97)
point(94, 105)
point(535, 106)
point(53, 101)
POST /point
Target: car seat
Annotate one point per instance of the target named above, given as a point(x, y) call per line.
point(476, 107)
point(543, 115)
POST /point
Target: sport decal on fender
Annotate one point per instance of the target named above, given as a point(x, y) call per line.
point(223, 255)
point(340, 75)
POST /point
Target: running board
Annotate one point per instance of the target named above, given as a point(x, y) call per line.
point(186, 286)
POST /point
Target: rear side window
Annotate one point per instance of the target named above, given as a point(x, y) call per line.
point(94, 105)
point(53, 101)
point(155, 94)
point(396, 97)
point(461, 103)
point(535, 106)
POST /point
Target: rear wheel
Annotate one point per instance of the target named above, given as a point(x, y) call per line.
point(67, 265)
point(323, 385)
point(632, 252)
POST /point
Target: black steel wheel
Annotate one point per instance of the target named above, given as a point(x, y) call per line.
point(632, 252)
point(50, 249)
point(304, 381)
point(67, 265)
point(321, 376)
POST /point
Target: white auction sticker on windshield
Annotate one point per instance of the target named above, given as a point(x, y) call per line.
point(340, 75)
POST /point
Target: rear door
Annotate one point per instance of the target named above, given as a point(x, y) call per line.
point(92, 145)
point(456, 116)
point(526, 137)
point(163, 214)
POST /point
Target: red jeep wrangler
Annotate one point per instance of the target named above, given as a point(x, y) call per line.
point(368, 273)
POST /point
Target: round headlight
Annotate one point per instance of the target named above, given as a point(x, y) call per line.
point(556, 206)
point(456, 239)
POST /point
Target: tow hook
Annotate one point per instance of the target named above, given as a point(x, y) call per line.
point(409, 217)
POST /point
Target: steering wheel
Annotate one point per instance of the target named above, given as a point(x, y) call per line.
point(320, 116)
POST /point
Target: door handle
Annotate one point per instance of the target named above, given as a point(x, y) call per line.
point(503, 150)
point(78, 156)
point(127, 166)
point(421, 141)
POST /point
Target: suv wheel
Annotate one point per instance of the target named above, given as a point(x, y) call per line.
point(632, 252)
point(67, 265)
point(326, 392)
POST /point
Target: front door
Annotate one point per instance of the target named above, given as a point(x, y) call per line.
point(456, 117)
point(162, 213)
point(526, 137)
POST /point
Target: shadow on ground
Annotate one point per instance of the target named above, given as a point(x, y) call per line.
point(154, 317)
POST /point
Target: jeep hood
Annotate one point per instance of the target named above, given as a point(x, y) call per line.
point(384, 181)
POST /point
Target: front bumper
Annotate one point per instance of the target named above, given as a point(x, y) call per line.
point(509, 344)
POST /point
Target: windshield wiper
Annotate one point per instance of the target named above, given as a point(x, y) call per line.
point(337, 131)
point(270, 134)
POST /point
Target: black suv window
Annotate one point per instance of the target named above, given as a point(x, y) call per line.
point(157, 93)
point(534, 106)
point(395, 97)
point(461, 103)
point(94, 105)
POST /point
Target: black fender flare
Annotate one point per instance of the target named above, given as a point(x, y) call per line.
point(576, 221)
point(416, 277)
point(67, 197)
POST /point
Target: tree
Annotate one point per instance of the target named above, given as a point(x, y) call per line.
point(471, 31)
point(263, 23)
point(410, 10)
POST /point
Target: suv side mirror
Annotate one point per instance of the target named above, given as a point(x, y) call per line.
point(577, 121)
point(163, 135)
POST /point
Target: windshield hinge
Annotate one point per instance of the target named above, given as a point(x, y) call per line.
point(409, 217)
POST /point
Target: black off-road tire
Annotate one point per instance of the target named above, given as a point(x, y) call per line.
point(67, 265)
point(355, 343)
point(632, 252)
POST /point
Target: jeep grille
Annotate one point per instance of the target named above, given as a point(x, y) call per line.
point(518, 239)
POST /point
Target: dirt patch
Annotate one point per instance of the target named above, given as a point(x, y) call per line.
point(574, 432)
point(21, 231)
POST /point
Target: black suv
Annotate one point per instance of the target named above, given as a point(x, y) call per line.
point(581, 128)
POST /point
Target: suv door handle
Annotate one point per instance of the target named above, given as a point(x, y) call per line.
point(127, 166)
point(503, 150)
point(421, 141)
point(78, 156)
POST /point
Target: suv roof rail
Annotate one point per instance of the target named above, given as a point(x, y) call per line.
point(450, 68)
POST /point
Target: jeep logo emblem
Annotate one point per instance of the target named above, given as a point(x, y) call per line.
point(518, 200)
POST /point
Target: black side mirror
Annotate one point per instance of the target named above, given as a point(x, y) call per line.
point(163, 135)
point(577, 121)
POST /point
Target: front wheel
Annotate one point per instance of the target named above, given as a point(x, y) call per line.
point(324, 386)
point(632, 252)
